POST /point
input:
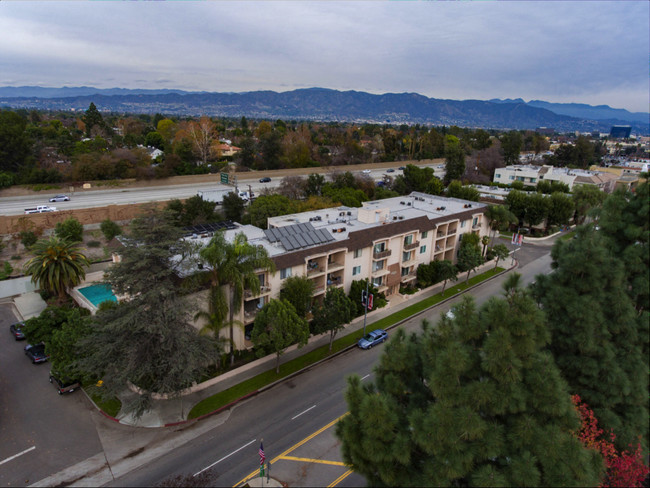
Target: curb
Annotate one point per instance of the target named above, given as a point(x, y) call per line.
point(337, 353)
point(306, 368)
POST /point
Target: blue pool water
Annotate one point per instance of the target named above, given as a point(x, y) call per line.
point(97, 294)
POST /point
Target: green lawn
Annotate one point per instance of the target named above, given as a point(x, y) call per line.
point(249, 386)
point(110, 407)
point(567, 235)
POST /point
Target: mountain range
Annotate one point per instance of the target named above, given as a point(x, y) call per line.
point(332, 105)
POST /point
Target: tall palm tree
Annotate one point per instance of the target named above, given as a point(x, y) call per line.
point(57, 265)
point(235, 264)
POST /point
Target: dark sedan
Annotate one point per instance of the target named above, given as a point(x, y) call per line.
point(36, 353)
point(266, 179)
point(17, 330)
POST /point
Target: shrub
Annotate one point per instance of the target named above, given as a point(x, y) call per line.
point(70, 229)
point(6, 270)
point(93, 243)
point(28, 238)
point(110, 229)
point(16, 257)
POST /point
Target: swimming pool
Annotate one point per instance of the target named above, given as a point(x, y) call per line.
point(98, 293)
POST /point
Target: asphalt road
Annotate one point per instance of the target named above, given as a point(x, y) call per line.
point(295, 411)
point(41, 432)
point(100, 198)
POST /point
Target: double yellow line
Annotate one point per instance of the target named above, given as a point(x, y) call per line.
point(296, 446)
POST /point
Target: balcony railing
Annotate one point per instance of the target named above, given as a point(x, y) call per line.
point(413, 245)
point(264, 289)
point(381, 254)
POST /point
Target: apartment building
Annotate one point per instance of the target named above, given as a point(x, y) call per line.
point(530, 175)
point(384, 240)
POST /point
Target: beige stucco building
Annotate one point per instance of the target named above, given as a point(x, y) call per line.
point(384, 240)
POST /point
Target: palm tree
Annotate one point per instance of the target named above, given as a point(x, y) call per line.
point(235, 264)
point(57, 265)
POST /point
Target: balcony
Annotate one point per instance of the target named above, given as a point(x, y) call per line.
point(380, 272)
point(413, 245)
point(408, 277)
point(381, 254)
point(264, 290)
point(334, 266)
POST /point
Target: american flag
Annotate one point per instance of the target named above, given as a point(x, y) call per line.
point(261, 451)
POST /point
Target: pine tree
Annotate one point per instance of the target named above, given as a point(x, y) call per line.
point(597, 342)
point(474, 401)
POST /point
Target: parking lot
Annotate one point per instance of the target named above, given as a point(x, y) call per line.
point(42, 432)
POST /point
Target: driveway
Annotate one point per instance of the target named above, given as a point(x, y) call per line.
point(41, 432)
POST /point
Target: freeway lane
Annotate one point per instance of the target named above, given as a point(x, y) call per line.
point(16, 205)
point(269, 415)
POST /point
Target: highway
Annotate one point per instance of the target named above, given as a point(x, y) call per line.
point(291, 416)
point(80, 198)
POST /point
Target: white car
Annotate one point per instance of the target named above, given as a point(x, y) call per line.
point(60, 198)
point(366, 171)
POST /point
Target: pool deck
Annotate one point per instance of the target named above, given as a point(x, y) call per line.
point(91, 279)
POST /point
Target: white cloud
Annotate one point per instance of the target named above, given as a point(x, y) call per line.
point(591, 52)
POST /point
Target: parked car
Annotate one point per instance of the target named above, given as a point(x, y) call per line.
point(36, 353)
point(373, 338)
point(390, 170)
point(60, 198)
point(266, 179)
point(62, 384)
point(17, 330)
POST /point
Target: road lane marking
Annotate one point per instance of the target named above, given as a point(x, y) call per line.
point(293, 418)
point(310, 460)
point(340, 478)
point(292, 448)
point(225, 457)
point(17, 455)
point(365, 377)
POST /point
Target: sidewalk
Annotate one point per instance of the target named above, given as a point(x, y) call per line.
point(166, 413)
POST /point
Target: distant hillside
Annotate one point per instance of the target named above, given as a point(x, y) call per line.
point(312, 104)
point(584, 111)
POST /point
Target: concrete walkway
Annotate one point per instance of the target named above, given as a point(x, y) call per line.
point(174, 411)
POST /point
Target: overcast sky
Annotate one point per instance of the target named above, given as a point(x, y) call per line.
point(582, 51)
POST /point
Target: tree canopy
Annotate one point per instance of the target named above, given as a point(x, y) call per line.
point(474, 401)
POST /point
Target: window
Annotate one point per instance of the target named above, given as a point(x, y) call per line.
point(406, 256)
point(425, 234)
point(511, 177)
point(357, 253)
point(285, 273)
point(405, 271)
point(377, 281)
point(380, 247)
point(462, 224)
point(408, 240)
point(376, 266)
point(423, 249)
point(497, 175)
point(356, 270)
point(533, 180)
point(475, 222)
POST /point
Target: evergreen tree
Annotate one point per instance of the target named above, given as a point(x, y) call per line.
point(336, 311)
point(92, 118)
point(597, 340)
point(475, 401)
point(454, 159)
point(149, 339)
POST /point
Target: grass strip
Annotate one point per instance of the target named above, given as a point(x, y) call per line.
point(110, 407)
point(568, 235)
point(248, 386)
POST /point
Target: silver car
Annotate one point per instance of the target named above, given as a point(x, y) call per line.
point(60, 198)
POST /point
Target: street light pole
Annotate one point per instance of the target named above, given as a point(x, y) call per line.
point(365, 308)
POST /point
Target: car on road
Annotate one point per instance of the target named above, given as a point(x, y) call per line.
point(390, 170)
point(17, 330)
point(60, 198)
point(36, 353)
point(373, 338)
point(266, 179)
point(63, 384)
point(366, 171)
point(402, 168)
